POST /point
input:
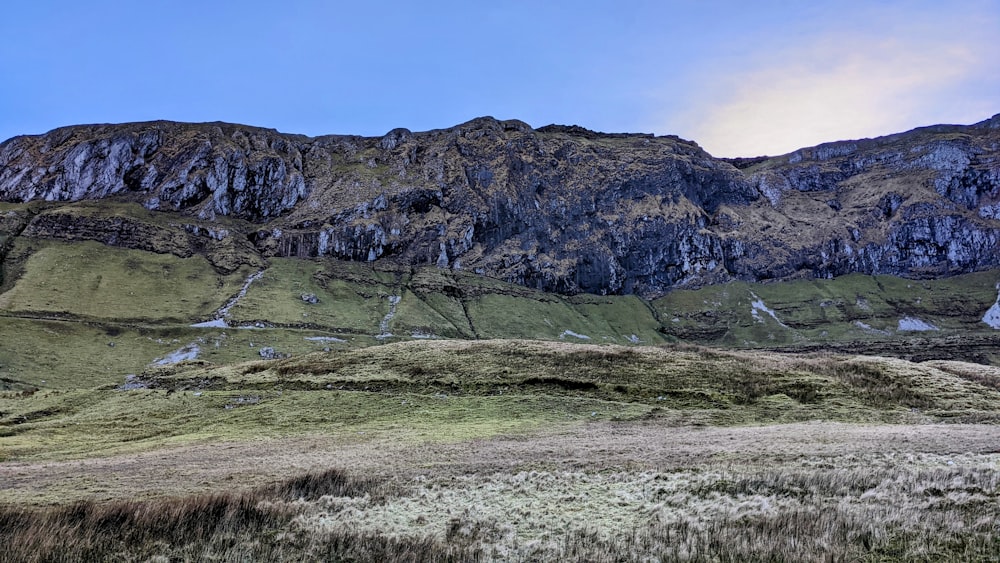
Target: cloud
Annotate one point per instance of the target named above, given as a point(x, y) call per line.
point(845, 86)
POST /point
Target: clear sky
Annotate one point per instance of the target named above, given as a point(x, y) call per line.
point(739, 77)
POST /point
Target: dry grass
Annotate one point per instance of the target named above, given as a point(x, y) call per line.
point(614, 492)
point(211, 465)
point(805, 514)
point(256, 525)
point(988, 376)
point(509, 451)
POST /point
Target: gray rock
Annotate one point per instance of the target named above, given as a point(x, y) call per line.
point(268, 353)
point(170, 166)
point(132, 383)
point(559, 208)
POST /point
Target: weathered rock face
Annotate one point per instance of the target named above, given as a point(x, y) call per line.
point(215, 169)
point(557, 208)
point(916, 204)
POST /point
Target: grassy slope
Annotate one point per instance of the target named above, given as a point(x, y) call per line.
point(150, 299)
point(58, 401)
point(454, 390)
point(349, 303)
point(143, 303)
point(828, 310)
point(57, 354)
point(91, 280)
point(354, 298)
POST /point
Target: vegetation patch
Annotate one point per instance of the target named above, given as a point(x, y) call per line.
point(94, 281)
point(441, 391)
point(822, 509)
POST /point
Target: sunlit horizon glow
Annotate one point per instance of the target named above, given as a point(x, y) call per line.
point(739, 78)
point(849, 86)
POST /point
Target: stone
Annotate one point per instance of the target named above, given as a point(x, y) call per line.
point(268, 353)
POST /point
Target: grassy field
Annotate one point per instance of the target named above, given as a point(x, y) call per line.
point(454, 390)
point(853, 307)
point(603, 492)
point(434, 415)
point(507, 450)
point(64, 354)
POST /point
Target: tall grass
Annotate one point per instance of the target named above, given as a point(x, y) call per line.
point(900, 513)
point(227, 526)
point(788, 514)
point(211, 526)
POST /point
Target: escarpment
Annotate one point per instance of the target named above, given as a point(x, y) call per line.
point(557, 208)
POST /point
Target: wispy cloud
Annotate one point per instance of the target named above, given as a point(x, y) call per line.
point(849, 85)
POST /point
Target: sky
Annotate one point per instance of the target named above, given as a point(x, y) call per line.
point(740, 78)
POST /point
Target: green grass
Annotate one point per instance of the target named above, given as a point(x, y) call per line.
point(71, 355)
point(73, 424)
point(354, 298)
point(59, 354)
point(349, 302)
point(551, 317)
point(429, 315)
point(455, 390)
point(828, 310)
point(91, 280)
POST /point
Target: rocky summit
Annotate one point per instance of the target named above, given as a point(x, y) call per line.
point(559, 208)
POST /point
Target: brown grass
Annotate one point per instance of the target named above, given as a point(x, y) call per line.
point(255, 525)
point(858, 507)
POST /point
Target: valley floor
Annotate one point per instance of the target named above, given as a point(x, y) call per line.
point(591, 447)
point(600, 491)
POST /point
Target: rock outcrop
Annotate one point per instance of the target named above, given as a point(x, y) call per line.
point(557, 208)
point(216, 169)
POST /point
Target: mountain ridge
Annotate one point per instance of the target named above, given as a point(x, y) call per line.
point(558, 208)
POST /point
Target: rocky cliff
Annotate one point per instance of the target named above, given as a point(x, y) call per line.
point(557, 208)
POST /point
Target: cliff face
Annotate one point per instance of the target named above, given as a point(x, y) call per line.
point(218, 169)
point(558, 208)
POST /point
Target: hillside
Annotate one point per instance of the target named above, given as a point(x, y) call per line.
point(558, 209)
point(496, 343)
point(507, 450)
point(165, 235)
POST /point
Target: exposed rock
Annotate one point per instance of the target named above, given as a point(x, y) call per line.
point(212, 168)
point(310, 298)
point(268, 353)
point(915, 325)
point(560, 208)
point(992, 316)
point(184, 354)
point(132, 383)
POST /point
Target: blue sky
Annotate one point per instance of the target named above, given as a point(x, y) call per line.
point(740, 78)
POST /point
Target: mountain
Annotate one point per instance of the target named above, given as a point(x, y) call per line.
point(558, 209)
point(612, 323)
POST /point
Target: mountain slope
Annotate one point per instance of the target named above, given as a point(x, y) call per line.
point(557, 208)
